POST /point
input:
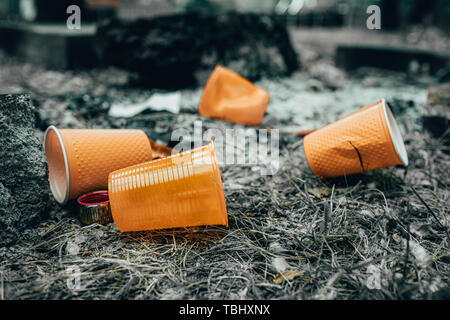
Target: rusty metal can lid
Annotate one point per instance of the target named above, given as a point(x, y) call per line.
point(94, 207)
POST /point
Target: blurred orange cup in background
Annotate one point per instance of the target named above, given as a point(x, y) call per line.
point(365, 140)
point(230, 97)
point(182, 190)
point(80, 160)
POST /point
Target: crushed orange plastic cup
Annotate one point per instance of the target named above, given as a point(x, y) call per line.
point(228, 96)
point(365, 140)
point(183, 190)
point(80, 160)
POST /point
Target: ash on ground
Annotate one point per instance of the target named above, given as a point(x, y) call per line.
point(380, 235)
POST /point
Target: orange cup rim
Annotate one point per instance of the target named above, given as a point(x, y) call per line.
point(216, 169)
point(394, 133)
point(94, 199)
point(61, 200)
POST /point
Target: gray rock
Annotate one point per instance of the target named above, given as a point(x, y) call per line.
point(330, 76)
point(24, 190)
point(352, 57)
point(436, 118)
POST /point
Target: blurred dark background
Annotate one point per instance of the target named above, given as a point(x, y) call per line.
point(189, 37)
point(345, 13)
point(318, 47)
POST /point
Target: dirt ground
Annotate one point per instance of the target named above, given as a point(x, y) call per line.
point(379, 235)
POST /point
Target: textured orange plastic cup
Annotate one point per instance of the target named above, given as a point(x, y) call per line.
point(365, 140)
point(228, 96)
point(80, 160)
point(183, 190)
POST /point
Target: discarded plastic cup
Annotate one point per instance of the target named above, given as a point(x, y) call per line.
point(183, 190)
point(80, 160)
point(365, 140)
point(228, 96)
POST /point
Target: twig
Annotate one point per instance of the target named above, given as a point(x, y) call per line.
point(407, 250)
point(429, 209)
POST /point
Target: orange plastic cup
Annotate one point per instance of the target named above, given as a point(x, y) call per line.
point(183, 190)
point(228, 96)
point(365, 140)
point(80, 160)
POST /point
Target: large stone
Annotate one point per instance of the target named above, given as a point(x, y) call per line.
point(436, 118)
point(181, 50)
point(63, 49)
point(24, 190)
point(352, 57)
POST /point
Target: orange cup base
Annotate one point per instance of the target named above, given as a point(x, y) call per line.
point(230, 97)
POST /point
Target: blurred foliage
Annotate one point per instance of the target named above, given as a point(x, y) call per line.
point(396, 12)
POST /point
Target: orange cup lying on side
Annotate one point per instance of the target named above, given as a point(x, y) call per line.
point(228, 96)
point(365, 140)
point(80, 160)
point(182, 190)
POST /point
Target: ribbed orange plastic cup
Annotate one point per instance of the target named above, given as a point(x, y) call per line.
point(228, 96)
point(80, 160)
point(365, 140)
point(183, 190)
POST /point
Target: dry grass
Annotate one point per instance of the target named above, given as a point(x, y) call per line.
point(291, 236)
